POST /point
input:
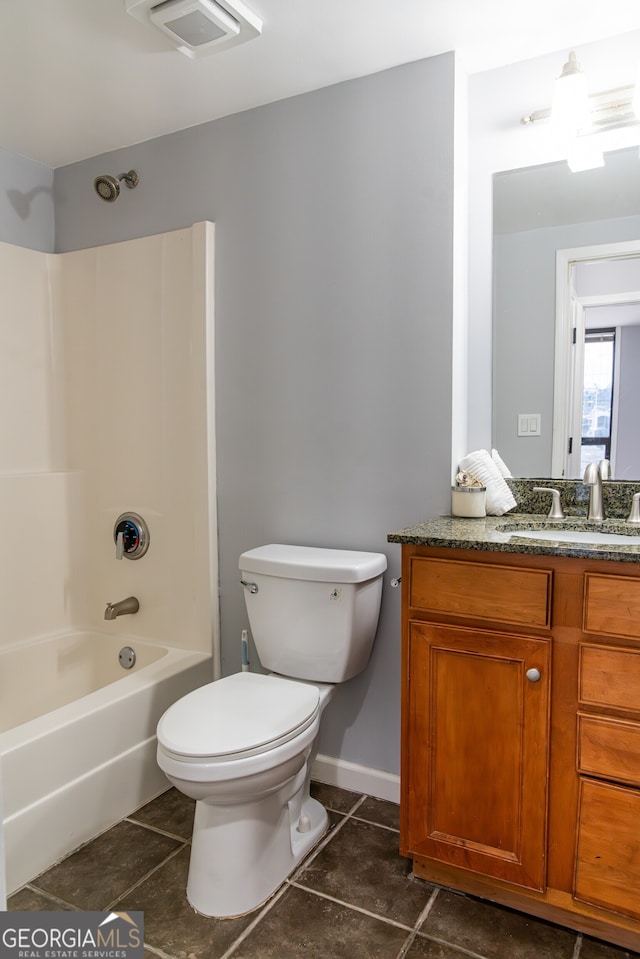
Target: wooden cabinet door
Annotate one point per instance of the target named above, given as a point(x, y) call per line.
point(475, 762)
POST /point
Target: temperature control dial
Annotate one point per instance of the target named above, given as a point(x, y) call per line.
point(131, 536)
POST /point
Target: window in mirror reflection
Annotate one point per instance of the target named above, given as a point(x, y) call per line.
point(597, 396)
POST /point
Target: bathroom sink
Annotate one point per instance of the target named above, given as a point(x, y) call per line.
point(590, 537)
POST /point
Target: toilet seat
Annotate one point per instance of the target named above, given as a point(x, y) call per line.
point(242, 715)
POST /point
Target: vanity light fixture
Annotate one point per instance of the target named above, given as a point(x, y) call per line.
point(575, 116)
point(635, 99)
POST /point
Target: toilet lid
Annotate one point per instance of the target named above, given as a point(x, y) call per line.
point(246, 713)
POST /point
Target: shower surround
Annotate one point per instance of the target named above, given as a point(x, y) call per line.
point(106, 380)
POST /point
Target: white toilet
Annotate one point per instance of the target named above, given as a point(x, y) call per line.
point(243, 746)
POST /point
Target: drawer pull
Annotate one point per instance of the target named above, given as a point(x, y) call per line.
point(533, 675)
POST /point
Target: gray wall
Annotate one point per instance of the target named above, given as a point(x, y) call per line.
point(524, 332)
point(333, 215)
point(26, 202)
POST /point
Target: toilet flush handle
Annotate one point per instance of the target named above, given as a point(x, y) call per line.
point(252, 587)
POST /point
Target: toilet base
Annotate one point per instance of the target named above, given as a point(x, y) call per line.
point(240, 854)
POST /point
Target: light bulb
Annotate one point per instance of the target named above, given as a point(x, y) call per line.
point(570, 104)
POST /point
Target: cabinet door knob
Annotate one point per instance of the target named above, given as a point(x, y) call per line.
point(534, 675)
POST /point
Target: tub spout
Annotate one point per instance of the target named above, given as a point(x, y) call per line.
point(128, 605)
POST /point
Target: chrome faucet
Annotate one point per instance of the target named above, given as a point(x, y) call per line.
point(593, 478)
point(125, 606)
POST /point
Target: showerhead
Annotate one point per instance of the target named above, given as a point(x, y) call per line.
point(108, 187)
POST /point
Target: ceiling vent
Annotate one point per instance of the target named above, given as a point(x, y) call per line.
point(199, 27)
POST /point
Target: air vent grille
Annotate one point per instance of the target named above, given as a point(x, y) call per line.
point(199, 27)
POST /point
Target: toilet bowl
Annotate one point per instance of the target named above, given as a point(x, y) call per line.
point(243, 746)
point(249, 773)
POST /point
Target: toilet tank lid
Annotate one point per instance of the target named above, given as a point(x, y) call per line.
point(313, 563)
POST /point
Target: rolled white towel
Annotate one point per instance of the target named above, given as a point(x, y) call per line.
point(499, 497)
point(500, 463)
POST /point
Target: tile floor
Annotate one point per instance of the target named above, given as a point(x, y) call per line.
point(353, 897)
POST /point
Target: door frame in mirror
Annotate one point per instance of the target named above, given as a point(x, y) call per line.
point(567, 360)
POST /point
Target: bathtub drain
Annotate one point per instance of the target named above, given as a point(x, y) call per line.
point(127, 657)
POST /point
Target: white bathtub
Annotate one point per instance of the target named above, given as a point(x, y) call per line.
point(77, 739)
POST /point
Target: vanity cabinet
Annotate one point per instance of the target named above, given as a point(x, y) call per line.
point(521, 732)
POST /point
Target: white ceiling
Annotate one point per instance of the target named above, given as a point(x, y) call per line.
point(81, 77)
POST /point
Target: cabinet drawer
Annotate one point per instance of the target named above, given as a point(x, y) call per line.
point(609, 749)
point(610, 677)
point(608, 852)
point(503, 594)
point(612, 605)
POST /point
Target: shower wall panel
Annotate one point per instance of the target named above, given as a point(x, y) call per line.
point(35, 490)
point(135, 346)
point(105, 363)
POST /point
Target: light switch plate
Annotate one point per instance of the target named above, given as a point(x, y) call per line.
point(529, 424)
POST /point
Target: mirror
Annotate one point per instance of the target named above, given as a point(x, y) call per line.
point(537, 212)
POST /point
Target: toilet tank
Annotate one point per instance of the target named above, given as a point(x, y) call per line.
point(315, 612)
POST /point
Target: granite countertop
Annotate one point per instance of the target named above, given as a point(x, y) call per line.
point(500, 534)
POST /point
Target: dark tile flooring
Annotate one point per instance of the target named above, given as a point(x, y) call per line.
point(352, 898)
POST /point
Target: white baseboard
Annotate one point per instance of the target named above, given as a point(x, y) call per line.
point(362, 779)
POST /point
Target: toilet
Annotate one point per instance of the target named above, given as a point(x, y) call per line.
point(242, 746)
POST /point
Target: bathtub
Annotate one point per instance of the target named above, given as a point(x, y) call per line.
point(77, 739)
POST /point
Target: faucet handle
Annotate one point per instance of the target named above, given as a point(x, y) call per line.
point(556, 509)
point(634, 514)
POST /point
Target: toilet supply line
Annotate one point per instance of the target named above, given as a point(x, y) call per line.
point(244, 644)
